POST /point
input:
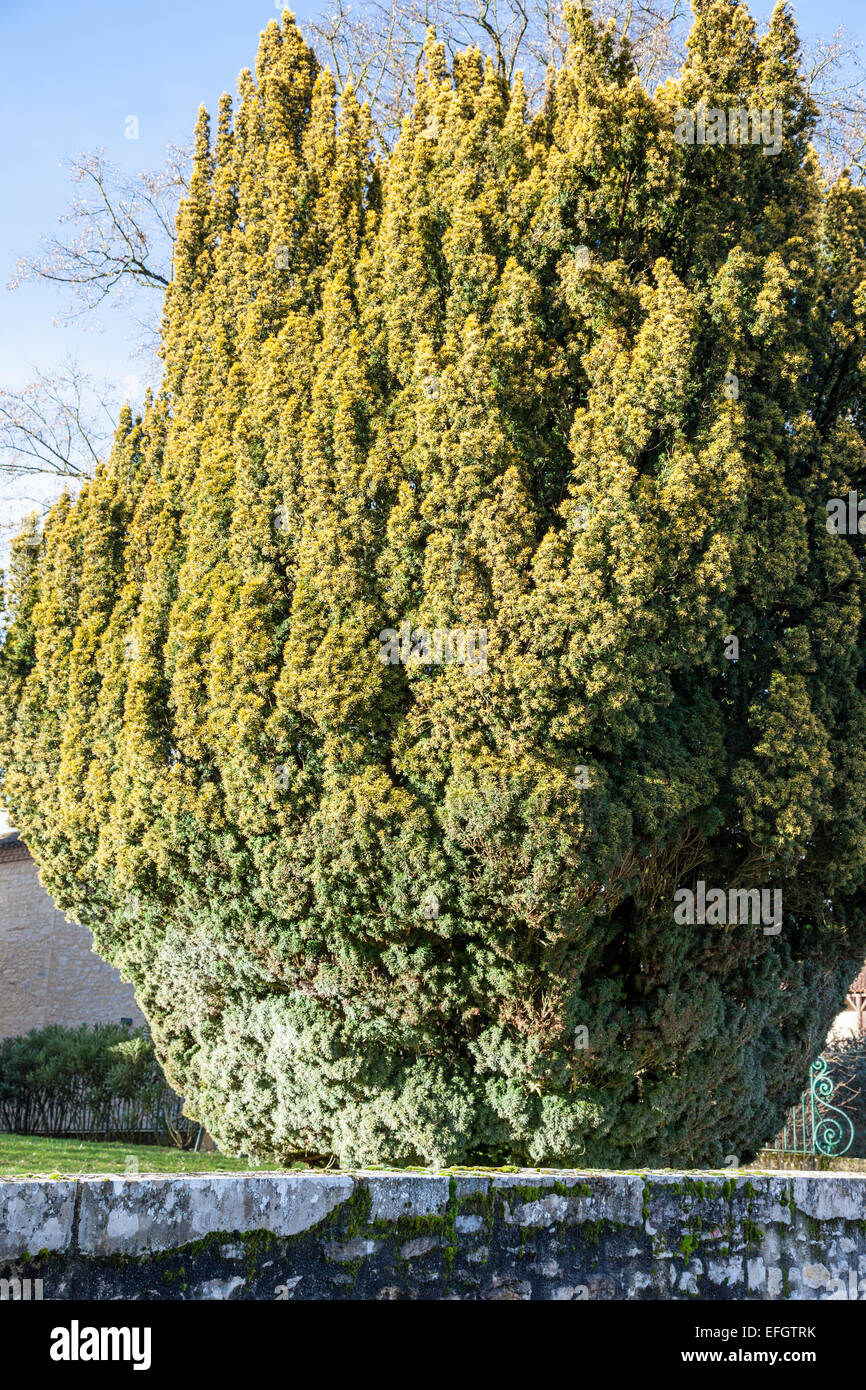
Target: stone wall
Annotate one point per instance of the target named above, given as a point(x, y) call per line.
point(49, 972)
point(464, 1235)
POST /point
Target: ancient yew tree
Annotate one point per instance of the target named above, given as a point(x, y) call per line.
point(557, 377)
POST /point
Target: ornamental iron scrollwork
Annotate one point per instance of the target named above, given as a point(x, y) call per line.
point(830, 1125)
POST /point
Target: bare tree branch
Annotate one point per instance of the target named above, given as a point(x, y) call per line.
point(121, 228)
point(122, 231)
point(836, 79)
point(60, 424)
point(377, 45)
point(122, 234)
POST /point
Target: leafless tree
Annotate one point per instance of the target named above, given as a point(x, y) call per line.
point(118, 242)
point(377, 47)
point(120, 234)
point(119, 230)
point(836, 77)
point(60, 424)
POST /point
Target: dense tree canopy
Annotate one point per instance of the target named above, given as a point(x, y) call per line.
point(557, 378)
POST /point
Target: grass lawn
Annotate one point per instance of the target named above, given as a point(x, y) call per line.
point(25, 1156)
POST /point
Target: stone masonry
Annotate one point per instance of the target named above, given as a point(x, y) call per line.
point(49, 972)
point(476, 1235)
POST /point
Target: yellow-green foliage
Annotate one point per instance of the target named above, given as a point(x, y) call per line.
point(395, 391)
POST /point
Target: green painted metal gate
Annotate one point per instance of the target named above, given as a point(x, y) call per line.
point(816, 1125)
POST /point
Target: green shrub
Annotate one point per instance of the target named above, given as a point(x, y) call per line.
point(99, 1079)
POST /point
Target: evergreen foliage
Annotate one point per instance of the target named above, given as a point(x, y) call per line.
point(397, 390)
point(58, 1080)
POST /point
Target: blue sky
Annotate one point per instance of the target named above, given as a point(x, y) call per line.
point(74, 72)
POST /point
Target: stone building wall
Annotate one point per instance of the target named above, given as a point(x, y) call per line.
point(49, 972)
